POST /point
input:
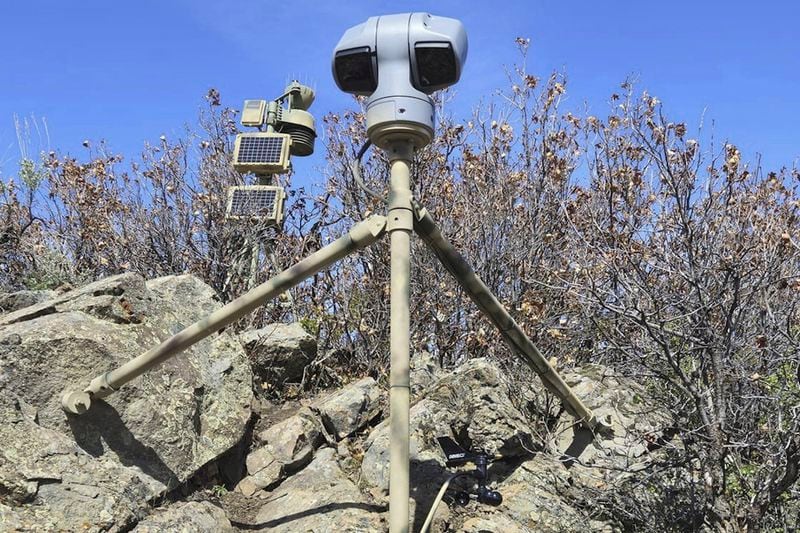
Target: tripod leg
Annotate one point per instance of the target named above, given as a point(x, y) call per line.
point(461, 270)
point(399, 226)
point(361, 235)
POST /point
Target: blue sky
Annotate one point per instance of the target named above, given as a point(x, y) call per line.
point(128, 72)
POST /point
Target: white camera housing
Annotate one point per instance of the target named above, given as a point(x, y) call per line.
point(398, 61)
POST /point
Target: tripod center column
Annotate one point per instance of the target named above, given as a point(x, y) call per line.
point(400, 225)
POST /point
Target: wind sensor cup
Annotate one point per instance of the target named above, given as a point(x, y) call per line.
point(398, 61)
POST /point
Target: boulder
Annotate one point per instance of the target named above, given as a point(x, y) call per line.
point(264, 470)
point(425, 370)
point(482, 413)
point(279, 352)
point(287, 447)
point(320, 498)
point(428, 421)
point(349, 409)
point(294, 440)
point(14, 301)
point(471, 405)
point(533, 499)
point(635, 423)
point(600, 468)
point(121, 299)
point(143, 440)
point(49, 483)
point(191, 517)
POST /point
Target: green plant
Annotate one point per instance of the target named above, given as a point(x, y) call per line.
point(219, 490)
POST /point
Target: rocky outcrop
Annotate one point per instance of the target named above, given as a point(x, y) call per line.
point(99, 469)
point(552, 490)
point(469, 404)
point(279, 352)
point(48, 482)
point(285, 448)
point(289, 445)
point(320, 464)
point(191, 517)
point(425, 370)
point(320, 498)
point(349, 409)
point(545, 471)
point(14, 301)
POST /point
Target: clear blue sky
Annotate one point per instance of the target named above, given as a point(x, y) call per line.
point(128, 72)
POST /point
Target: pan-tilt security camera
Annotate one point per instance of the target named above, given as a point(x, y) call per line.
point(398, 61)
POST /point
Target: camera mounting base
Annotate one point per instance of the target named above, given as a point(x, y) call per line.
point(385, 135)
point(400, 119)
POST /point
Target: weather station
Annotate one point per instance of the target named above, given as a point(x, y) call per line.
point(397, 62)
point(285, 128)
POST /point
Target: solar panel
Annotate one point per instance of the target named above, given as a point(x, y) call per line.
point(263, 202)
point(261, 152)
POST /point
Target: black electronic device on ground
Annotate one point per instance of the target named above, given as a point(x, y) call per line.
point(458, 456)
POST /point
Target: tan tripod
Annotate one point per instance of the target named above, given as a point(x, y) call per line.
point(404, 215)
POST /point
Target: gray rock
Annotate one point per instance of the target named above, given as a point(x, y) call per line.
point(287, 447)
point(493, 522)
point(191, 517)
point(294, 440)
point(471, 401)
point(428, 421)
point(480, 407)
point(533, 498)
point(264, 471)
point(425, 370)
point(12, 520)
point(634, 420)
point(122, 299)
point(150, 436)
point(14, 301)
point(50, 483)
point(349, 409)
point(279, 352)
point(320, 498)
point(473, 405)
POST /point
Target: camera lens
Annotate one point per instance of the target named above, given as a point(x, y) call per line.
point(356, 71)
point(436, 65)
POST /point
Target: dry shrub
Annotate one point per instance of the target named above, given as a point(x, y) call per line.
point(619, 240)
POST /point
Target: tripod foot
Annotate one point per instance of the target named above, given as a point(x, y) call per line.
point(76, 403)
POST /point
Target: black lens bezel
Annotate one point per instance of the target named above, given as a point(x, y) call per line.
point(428, 76)
point(366, 80)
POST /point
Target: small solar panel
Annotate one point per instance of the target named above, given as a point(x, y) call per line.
point(256, 202)
point(261, 152)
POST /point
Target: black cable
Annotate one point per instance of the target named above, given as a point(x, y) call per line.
point(355, 167)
